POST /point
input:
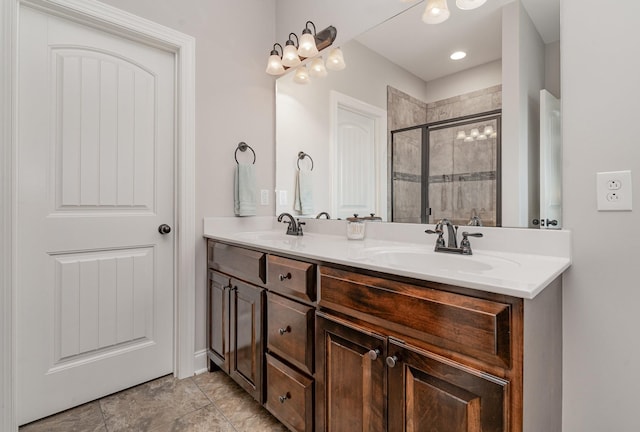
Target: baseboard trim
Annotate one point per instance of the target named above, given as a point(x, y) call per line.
point(200, 362)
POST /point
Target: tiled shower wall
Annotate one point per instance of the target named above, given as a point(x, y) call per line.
point(462, 175)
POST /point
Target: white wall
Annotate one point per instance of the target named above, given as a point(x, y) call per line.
point(234, 102)
point(523, 78)
point(600, 88)
point(467, 81)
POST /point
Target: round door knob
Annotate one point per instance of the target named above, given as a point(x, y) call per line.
point(373, 354)
point(391, 361)
point(164, 229)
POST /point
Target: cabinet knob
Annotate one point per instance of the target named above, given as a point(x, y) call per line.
point(283, 277)
point(283, 331)
point(283, 398)
point(373, 354)
point(391, 361)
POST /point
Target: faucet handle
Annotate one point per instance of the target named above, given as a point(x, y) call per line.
point(440, 240)
point(465, 244)
point(466, 234)
point(300, 226)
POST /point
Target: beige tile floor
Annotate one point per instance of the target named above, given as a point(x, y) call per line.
point(210, 402)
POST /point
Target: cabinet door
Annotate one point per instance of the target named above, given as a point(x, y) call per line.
point(428, 393)
point(218, 319)
point(350, 376)
point(246, 353)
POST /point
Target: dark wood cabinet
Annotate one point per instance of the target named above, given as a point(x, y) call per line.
point(246, 341)
point(235, 330)
point(350, 377)
point(218, 319)
point(429, 393)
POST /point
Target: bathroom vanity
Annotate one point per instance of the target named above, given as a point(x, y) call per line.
point(335, 335)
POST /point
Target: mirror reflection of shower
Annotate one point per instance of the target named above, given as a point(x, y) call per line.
point(453, 166)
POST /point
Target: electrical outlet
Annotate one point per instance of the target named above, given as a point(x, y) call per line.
point(614, 184)
point(264, 197)
point(614, 191)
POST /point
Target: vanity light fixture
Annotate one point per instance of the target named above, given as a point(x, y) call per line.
point(335, 61)
point(458, 55)
point(436, 12)
point(290, 56)
point(307, 46)
point(317, 68)
point(477, 134)
point(274, 65)
point(302, 75)
point(305, 49)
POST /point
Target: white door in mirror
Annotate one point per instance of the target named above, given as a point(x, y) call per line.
point(614, 191)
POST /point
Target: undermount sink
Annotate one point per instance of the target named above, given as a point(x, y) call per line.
point(422, 258)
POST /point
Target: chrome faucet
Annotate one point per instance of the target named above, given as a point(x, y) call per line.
point(452, 246)
point(323, 214)
point(294, 227)
point(452, 236)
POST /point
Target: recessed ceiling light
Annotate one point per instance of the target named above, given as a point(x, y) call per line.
point(458, 55)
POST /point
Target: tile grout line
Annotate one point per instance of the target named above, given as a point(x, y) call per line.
point(215, 405)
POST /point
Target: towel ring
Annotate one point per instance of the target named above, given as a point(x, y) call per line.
point(243, 146)
point(302, 155)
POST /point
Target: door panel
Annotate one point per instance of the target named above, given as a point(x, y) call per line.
point(350, 394)
point(95, 178)
point(246, 352)
point(550, 161)
point(219, 319)
point(428, 393)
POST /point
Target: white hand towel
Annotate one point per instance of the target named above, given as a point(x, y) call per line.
point(303, 201)
point(245, 193)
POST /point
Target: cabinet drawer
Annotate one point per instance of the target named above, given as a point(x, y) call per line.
point(290, 331)
point(289, 395)
point(244, 264)
point(468, 325)
point(292, 278)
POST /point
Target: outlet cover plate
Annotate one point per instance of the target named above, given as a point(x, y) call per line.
point(613, 190)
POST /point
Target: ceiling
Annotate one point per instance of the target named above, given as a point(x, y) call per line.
point(424, 49)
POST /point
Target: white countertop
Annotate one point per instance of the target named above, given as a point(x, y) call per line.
point(516, 262)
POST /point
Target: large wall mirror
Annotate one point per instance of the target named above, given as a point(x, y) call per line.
point(385, 135)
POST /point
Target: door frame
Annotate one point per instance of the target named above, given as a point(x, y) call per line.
point(108, 18)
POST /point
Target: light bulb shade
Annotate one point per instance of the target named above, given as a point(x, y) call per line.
point(274, 65)
point(488, 130)
point(317, 69)
point(290, 55)
point(302, 75)
point(468, 139)
point(469, 4)
point(335, 60)
point(493, 135)
point(481, 137)
point(436, 12)
point(461, 135)
point(307, 46)
point(474, 132)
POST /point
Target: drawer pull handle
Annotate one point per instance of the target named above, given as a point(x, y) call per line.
point(283, 277)
point(283, 398)
point(285, 330)
point(373, 354)
point(391, 361)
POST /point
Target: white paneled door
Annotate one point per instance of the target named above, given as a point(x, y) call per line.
point(95, 180)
